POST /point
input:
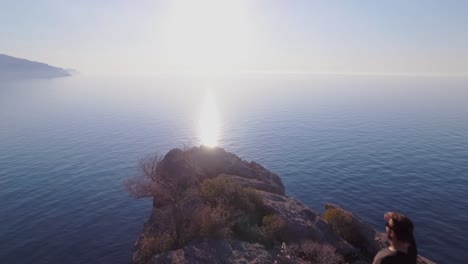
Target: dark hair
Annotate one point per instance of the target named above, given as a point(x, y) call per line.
point(401, 226)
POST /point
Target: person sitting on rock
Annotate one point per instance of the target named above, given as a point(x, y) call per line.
point(402, 249)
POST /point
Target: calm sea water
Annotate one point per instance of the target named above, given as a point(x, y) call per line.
point(371, 144)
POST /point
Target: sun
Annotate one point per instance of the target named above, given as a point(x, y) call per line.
point(204, 35)
point(209, 122)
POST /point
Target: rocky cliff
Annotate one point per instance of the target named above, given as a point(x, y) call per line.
point(212, 207)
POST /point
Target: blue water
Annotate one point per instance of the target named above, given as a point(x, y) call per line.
point(369, 143)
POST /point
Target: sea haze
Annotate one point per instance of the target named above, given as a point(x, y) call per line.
point(369, 143)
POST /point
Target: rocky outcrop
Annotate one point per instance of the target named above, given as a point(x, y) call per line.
point(212, 207)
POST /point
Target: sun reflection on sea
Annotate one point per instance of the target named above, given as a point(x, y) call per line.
point(209, 121)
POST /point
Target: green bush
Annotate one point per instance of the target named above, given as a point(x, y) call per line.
point(240, 212)
point(213, 189)
point(272, 229)
point(221, 190)
point(273, 222)
point(207, 222)
point(343, 225)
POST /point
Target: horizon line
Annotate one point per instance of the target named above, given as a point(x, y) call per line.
point(408, 74)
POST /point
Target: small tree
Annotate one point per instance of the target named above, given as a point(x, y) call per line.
point(144, 183)
point(153, 180)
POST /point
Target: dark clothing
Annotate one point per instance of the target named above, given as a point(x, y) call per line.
point(386, 256)
point(413, 250)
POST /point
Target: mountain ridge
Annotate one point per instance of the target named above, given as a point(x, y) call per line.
point(19, 68)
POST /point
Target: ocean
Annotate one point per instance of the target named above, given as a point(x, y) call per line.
point(369, 143)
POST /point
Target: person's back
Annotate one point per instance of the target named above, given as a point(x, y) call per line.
point(387, 256)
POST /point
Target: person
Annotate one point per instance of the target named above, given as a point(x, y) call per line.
point(402, 249)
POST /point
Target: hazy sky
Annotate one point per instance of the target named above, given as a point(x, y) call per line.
point(245, 35)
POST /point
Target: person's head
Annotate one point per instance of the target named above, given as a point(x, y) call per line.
point(399, 227)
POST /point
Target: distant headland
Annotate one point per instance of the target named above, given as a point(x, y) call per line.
point(16, 68)
point(210, 206)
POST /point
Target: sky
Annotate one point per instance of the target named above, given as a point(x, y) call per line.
point(116, 36)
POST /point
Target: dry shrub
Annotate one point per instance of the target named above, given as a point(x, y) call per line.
point(272, 229)
point(155, 244)
point(273, 222)
point(342, 223)
point(238, 212)
point(140, 186)
point(316, 253)
point(208, 222)
point(144, 183)
point(213, 189)
point(221, 190)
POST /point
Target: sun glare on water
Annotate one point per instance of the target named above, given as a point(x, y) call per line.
point(209, 122)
